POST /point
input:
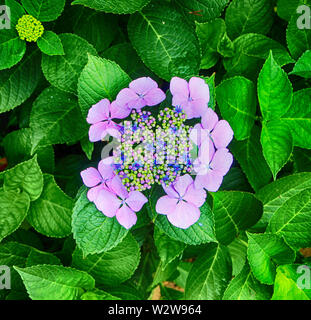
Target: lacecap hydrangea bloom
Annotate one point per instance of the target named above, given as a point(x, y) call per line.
point(157, 144)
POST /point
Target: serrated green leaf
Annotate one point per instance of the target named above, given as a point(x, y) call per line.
point(205, 9)
point(302, 67)
point(18, 83)
point(26, 176)
point(114, 6)
point(233, 212)
point(50, 44)
point(210, 34)
point(98, 28)
point(98, 295)
point(236, 98)
point(37, 257)
point(44, 10)
point(238, 253)
point(250, 157)
point(13, 210)
point(16, 10)
point(127, 58)
point(277, 193)
point(298, 40)
point(48, 282)
point(265, 252)
point(100, 79)
point(111, 267)
point(285, 8)
point(166, 49)
point(92, 230)
point(277, 144)
point(246, 287)
point(293, 220)
point(274, 90)
point(17, 146)
point(250, 52)
point(249, 16)
point(63, 71)
point(292, 282)
point(298, 118)
point(210, 274)
point(168, 249)
point(56, 118)
point(12, 48)
point(302, 160)
point(51, 213)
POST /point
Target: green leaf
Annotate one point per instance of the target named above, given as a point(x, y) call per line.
point(250, 157)
point(200, 232)
point(278, 193)
point(210, 274)
point(265, 252)
point(63, 71)
point(98, 28)
point(51, 213)
point(303, 66)
point(127, 58)
point(100, 79)
point(292, 282)
point(168, 249)
point(12, 48)
point(44, 10)
point(237, 102)
point(17, 146)
point(47, 282)
point(212, 91)
point(277, 144)
point(166, 50)
point(114, 6)
point(238, 253)
point(298, 40)
point(92, 230)
point(37, 257)
point(250, 51)
point(87, 147)
point(246, 287)
point(26, 176)
point(249, 16)
point(285, 8)
point(56, 118)
point(17, 11)
point(275, 91)
point(111, 267)
point(97, 294)
point(13, 211)
point(206, 9)
point(18, 83)
point(234, 212)
point(50, 44)
point(293, 220)
point(302, 160)
point(298, 118)
point(210, 34)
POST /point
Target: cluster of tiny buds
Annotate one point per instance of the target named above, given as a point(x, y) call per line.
point(29, 28)
point(153, 151)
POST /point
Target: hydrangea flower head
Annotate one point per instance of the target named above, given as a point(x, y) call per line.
point(29, 28)
point(157, 148)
